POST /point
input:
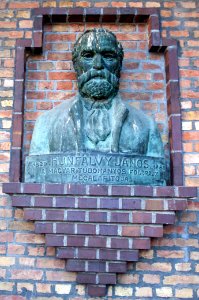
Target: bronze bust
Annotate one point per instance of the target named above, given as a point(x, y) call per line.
point(96, 138)
point(96, 119)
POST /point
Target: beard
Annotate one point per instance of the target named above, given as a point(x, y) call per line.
point(97, 88)
point(98, 85)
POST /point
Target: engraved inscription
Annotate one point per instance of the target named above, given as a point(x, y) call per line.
point(95, 168)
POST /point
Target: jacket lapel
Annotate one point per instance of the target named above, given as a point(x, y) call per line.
point(76, 114)
point(120, 113)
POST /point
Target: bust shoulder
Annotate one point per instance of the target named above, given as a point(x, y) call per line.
point(58, 111)
point(46, 123)
point(138, 114)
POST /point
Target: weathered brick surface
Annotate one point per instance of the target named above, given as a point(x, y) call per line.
point(29, 278)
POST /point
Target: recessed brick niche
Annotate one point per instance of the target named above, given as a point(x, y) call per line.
point(98, 229)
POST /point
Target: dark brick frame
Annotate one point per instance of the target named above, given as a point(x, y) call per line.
point(156, 44)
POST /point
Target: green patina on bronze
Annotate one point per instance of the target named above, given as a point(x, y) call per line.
point(97, 119)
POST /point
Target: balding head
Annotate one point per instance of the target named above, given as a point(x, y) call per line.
point(92, 38)
point(97, 59)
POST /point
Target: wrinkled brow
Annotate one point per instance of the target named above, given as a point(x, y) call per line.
point(101, 49)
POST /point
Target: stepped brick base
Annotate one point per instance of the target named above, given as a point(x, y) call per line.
point(98, 229)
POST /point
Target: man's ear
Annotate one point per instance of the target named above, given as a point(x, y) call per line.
point(75, 66)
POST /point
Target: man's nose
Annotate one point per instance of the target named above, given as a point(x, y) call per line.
point(98, 63)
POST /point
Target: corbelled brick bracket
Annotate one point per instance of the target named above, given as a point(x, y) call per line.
point(98, 229)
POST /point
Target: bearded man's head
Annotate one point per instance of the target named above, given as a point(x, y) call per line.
point(97, 59)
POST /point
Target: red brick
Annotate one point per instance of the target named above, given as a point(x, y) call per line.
point(97, 242)
point(54, 189)
point(141, 243)
point(54, 240)
point(97, 216)
point(190, 136)
point(76, 216)
point(60, 37)
point(16, 249)
point(43, 227)
point(50, 263)
point(20, 5)
point(131, 203)
point(33, 214)
point(86, 229)
point(75, 241)
point(129, 255)
point(142, 217)
point(24, 274)
point(107, 278)
point(43, 202)
point(98, 190)
point(96, 290)
point(66, 252)
point(119, 217)
point(96, 266)
point(101, 4)
point(76, 189)
point(60, 56)
point(153, 231)
point(165, 218)
point(64, 85)
point(75, 266)
point(120, 190)
point(165, 191)
point(20, 63)
point(55, 215)
point(86, 253)
point(31, 188)
point(60, 276)
point(36, 76)
point(160, 267)
point(65, 228)
point(21, 201)
point(108, 229)
point(67, 202)
point(120, 243)
point(143, 191)
point(6, 237)
point(5, 213)
point(110, 203)
point(189, 73)
point(177, 204)
point(131, 230)
point(107, 254)
point(170, 254)
point(154, 204)
point(117, 267)
point(87, 203)
point(86, 278)
point(29, 238)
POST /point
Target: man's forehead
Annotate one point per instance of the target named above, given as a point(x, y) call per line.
point(98, 40)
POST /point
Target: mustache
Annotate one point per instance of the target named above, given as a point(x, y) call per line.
point(92, 73)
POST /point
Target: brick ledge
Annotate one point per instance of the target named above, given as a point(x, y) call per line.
point(99, 190)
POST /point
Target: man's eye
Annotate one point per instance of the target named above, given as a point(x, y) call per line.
point(87, 54)
point(109, 55)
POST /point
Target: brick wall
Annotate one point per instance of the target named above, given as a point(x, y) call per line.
point(28, 268)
